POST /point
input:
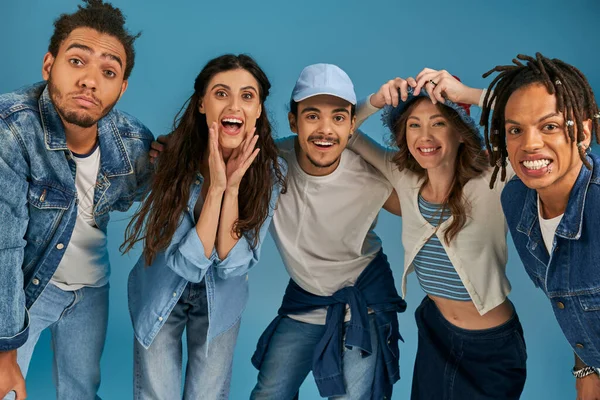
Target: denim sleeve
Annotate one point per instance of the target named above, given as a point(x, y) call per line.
point(185, 254)
point(144, 169)
point(243, 256)
point(14, 218)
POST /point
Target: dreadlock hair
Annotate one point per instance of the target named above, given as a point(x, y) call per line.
point(102, 17)
point(471, 160)
point(574, 98)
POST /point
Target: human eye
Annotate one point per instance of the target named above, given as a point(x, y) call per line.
point(110, 74)
point(247, 96)
point(75, 61)
point(513, 130)
point(220, 93)
point(339, 118)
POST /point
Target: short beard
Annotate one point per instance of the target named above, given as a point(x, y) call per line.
point(316, 164)
point(72, 117)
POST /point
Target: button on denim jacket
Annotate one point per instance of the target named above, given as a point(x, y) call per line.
point(38, 205)
point(570, 275)
point(154, 290)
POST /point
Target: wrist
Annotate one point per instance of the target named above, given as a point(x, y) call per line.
point(215, 191)
point(375, 101)
point(582, 372)
point(232, 190)
point(471, 96)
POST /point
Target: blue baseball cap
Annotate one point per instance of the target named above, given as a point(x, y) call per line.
point(327, 79)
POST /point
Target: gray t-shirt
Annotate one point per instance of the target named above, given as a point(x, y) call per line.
point(323, 226)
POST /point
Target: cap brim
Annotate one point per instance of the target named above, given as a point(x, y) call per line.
point(305, 94)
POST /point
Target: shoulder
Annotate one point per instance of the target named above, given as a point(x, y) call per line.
point(129, 126)
point(355, 164)
point(23, 99)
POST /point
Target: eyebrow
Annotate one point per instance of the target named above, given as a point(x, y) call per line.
point(432, 117)
point(554, 114)
point(314, 109)
point(228, 88)
point(89, 50)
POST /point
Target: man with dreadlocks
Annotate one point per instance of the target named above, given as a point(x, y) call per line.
point(67, 159)
point(541, 115)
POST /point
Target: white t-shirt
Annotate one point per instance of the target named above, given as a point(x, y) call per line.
point(85, 262)
point(548, 227)
point(323, 225)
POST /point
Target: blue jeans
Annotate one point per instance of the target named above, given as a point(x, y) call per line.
point(158, 369)
point(289, 360)
point(77, 321)
point(455, 364)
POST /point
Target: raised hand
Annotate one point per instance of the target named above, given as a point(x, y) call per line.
point(588, 388)
point(391, 91)
point(441, 85)
point(240, 160)
point(216, 165)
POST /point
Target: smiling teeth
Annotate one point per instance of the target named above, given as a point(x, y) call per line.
point(428, 149)
point(324, 143)
point(232, 120)
point(537, 164)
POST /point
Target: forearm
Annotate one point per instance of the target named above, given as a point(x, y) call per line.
point(208, 222)
point(226, 237)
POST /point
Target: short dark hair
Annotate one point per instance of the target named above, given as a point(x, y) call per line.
point(294, 109)
point(102, 17)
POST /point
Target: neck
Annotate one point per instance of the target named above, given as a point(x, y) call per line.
point(311, 169)
point(554, 198)
point(439, 183)
point(80, 140)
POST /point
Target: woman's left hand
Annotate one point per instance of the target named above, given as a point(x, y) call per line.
point(240, 160)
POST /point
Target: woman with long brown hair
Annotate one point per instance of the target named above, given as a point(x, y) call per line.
point(202, 226)
point(470, 338)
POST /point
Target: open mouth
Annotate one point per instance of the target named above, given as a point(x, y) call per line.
point(429, 151)
point(323, 144)
point(232, 126)
point(536, 167)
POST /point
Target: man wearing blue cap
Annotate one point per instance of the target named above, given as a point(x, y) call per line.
point(339, 312)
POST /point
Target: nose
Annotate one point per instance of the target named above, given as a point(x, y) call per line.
point(531, 141)
point(326, 126)
point(234, 103)
point(89, 79)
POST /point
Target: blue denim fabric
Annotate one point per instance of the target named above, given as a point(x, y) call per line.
point(154, 290)
point(570, 276)
point(290, 356)
point(158, 369)
point(38, 204)
point(77, 321)
point(374, 289)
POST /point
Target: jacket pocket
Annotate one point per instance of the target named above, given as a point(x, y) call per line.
point(590, 302)
point(45, 196)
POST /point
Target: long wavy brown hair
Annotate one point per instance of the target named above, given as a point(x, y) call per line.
point(471, 161)
point(160, 213)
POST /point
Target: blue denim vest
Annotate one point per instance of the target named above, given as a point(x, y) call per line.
point(38, 202)
point(570, 276)
point(154, 290)
point(374, 289)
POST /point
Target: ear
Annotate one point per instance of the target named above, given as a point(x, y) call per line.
point(587, 131)
point(259, 111)
point(353, 125)
point(47, 65)
point(201, 107)
point(124, 86)
point(293, 123)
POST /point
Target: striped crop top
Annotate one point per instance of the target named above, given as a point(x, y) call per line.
point(435, 272)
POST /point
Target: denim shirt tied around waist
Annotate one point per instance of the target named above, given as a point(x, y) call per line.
point(374, 289)
point(38, 201)
point(570, 275)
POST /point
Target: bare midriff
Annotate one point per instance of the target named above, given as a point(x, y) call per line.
point(463, 314)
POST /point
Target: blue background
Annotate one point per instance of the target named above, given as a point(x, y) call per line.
point(373, 41)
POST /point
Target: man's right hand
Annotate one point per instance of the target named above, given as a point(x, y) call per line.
point(158, 147)
point(11, 378)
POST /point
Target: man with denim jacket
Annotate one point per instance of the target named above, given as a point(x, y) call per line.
point(67, 159)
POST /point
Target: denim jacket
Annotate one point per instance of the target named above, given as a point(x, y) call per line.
point(374, 289)
point(154, 290)
point(570, 275)
point(38, 202)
